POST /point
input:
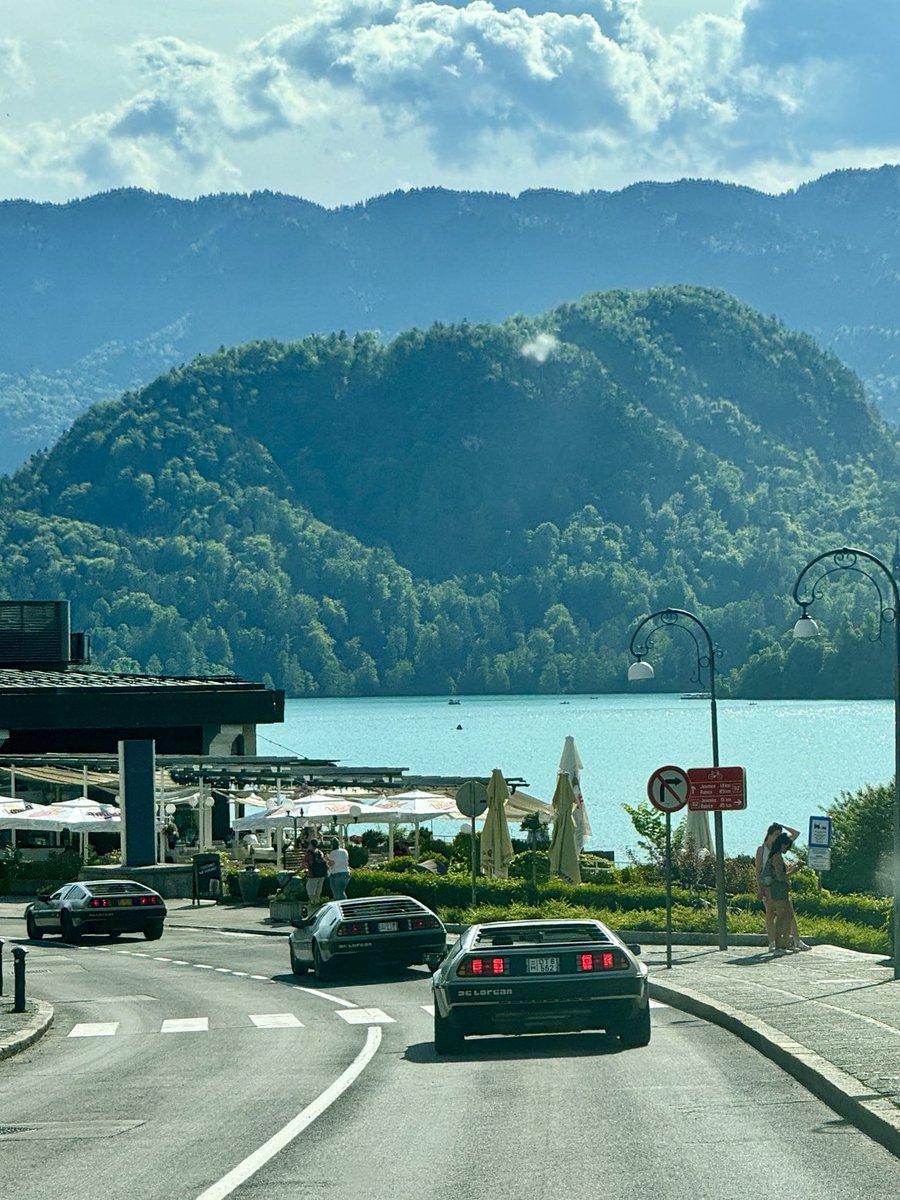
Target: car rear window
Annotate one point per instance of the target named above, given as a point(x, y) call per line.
point(117, 889)
point(540, 935)
point(381, 906)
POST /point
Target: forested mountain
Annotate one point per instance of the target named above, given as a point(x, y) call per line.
point(102, 294)
point(472, 508)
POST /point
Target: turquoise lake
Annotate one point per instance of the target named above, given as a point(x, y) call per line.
point(799, 755)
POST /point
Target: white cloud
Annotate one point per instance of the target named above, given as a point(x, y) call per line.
point(354, 97)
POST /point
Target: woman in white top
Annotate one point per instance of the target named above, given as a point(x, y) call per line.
point(338, 871)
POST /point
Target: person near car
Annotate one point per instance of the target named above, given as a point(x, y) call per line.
point(338, 871)
point(316, 871)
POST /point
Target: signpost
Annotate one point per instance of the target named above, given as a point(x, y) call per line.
point(818, 854)
point(472, 800)
point(668, 789)
point(717, 789)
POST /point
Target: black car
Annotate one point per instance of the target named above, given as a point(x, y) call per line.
point(110, 906)
point(372, 931)
point(540, 977)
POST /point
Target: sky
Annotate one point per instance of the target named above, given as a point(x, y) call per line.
point(337, 101)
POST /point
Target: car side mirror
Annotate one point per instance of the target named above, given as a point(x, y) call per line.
point(43, 896)
point(634, 948)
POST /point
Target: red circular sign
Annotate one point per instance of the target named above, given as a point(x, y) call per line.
point(668, 789)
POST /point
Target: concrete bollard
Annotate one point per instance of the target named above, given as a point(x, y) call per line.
point(19, 955)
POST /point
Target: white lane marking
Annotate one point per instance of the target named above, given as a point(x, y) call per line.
point(229, 933)
point(276, 1021)
point(243, 974)
point(252, 1163)
point(180, 962)
point(159, 958)
point(429, 1008)
point(327, 996)
point(224, 970)
point(94, 1029)
point(185, 1025)
point(204, 966)
point(364, 1016)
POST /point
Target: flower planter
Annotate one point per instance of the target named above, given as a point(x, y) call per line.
point(288, 910)
point(248, 882)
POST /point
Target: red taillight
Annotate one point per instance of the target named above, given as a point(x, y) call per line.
point(602, 960)
point(355, 929)
point(150, 900)
point(96, 902)
point(480, 967)
point(424, 923)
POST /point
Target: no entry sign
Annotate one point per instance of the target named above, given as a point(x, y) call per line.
point(668, 789)
point(717, 789)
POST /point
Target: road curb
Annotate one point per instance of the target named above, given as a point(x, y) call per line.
point(875, 1116)
point(42, 1019)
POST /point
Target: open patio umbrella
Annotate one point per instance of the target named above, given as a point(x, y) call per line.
point(496, 847)
point(415, 806)
point(570, 762)
point(563, 851)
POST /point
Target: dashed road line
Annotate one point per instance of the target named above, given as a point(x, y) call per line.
point(185, 1025)
point(94, 1029)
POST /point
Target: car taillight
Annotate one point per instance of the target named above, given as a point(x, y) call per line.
point(602, 960)
point(96, 902)
point(150, 900)
point(424, 923)
point(480, 967)
point(355, 929)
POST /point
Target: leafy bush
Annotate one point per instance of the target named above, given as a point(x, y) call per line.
point(863, 840)
point(357, 856)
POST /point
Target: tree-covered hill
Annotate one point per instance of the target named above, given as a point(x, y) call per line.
point(104, 293)
point(480, 508)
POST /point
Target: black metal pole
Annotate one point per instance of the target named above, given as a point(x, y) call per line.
point(19, 955)
point(668, 891)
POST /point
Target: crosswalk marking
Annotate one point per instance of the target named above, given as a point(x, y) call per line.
point(185, 1025)
point(276, 1021)
point(364, 1016)
point(94, 1029)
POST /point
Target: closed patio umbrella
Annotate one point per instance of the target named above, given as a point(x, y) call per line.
point(496, 846)
point(570, 762)
point(696, 830)
point(563, 851)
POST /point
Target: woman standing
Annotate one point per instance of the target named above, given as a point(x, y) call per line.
point(338, 871)
point(779, 892)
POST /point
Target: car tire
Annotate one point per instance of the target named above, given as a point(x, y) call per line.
point(298, 967)
point(636, 1031)
point(447, 1038)
point(34, 934)
point(324, 971)
point(154, 932)
point(67, 925)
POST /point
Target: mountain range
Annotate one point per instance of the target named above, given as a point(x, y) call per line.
point(102, 294)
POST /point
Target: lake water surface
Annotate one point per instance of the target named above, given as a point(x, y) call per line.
point(799, 755)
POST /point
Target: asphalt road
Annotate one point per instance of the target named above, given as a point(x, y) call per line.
point(199, 1067)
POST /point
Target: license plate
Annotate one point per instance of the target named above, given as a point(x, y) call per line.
point(542, 966)
point(125, 900)
point(387, 926)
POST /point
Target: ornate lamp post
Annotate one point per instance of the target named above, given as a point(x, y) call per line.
point(707, 654)
point(860, 562)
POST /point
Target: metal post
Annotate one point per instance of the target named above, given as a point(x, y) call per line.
point(19, 954)
point(668, 891)
point(473, 859)
point(850, 558)
point(1, 966)
point(717, 815)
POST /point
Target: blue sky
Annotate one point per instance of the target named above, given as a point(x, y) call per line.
point(339, 100)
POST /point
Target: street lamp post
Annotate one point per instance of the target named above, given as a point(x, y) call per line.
point(817, 571)
point(666, 618)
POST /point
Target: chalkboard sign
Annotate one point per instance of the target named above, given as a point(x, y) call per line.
point(207, 877)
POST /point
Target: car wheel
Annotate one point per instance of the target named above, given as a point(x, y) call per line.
point(636, 1031)
point(31, 929)
point(154, 932)
point(447, 1038)
point(324, 971)
point(69, 932)
point(298, 967)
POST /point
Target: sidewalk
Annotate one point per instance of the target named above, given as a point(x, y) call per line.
point(829, 1017)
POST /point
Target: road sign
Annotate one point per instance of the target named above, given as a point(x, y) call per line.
point(667, 789)
point(471, 799)
point(819, 831)
point(819, 858)
point(717, 789)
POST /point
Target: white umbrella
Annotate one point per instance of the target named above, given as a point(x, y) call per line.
point(415, 806)
point(570, 763)
point(496, 846)
point(563, 852)
point(78, 816)
point(696, 830)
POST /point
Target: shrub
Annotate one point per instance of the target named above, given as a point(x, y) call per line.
point(357, 856)
point(863, 840)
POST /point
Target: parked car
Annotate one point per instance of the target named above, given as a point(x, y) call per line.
point(372, 931)
point(110, 906)
point(540, 977)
